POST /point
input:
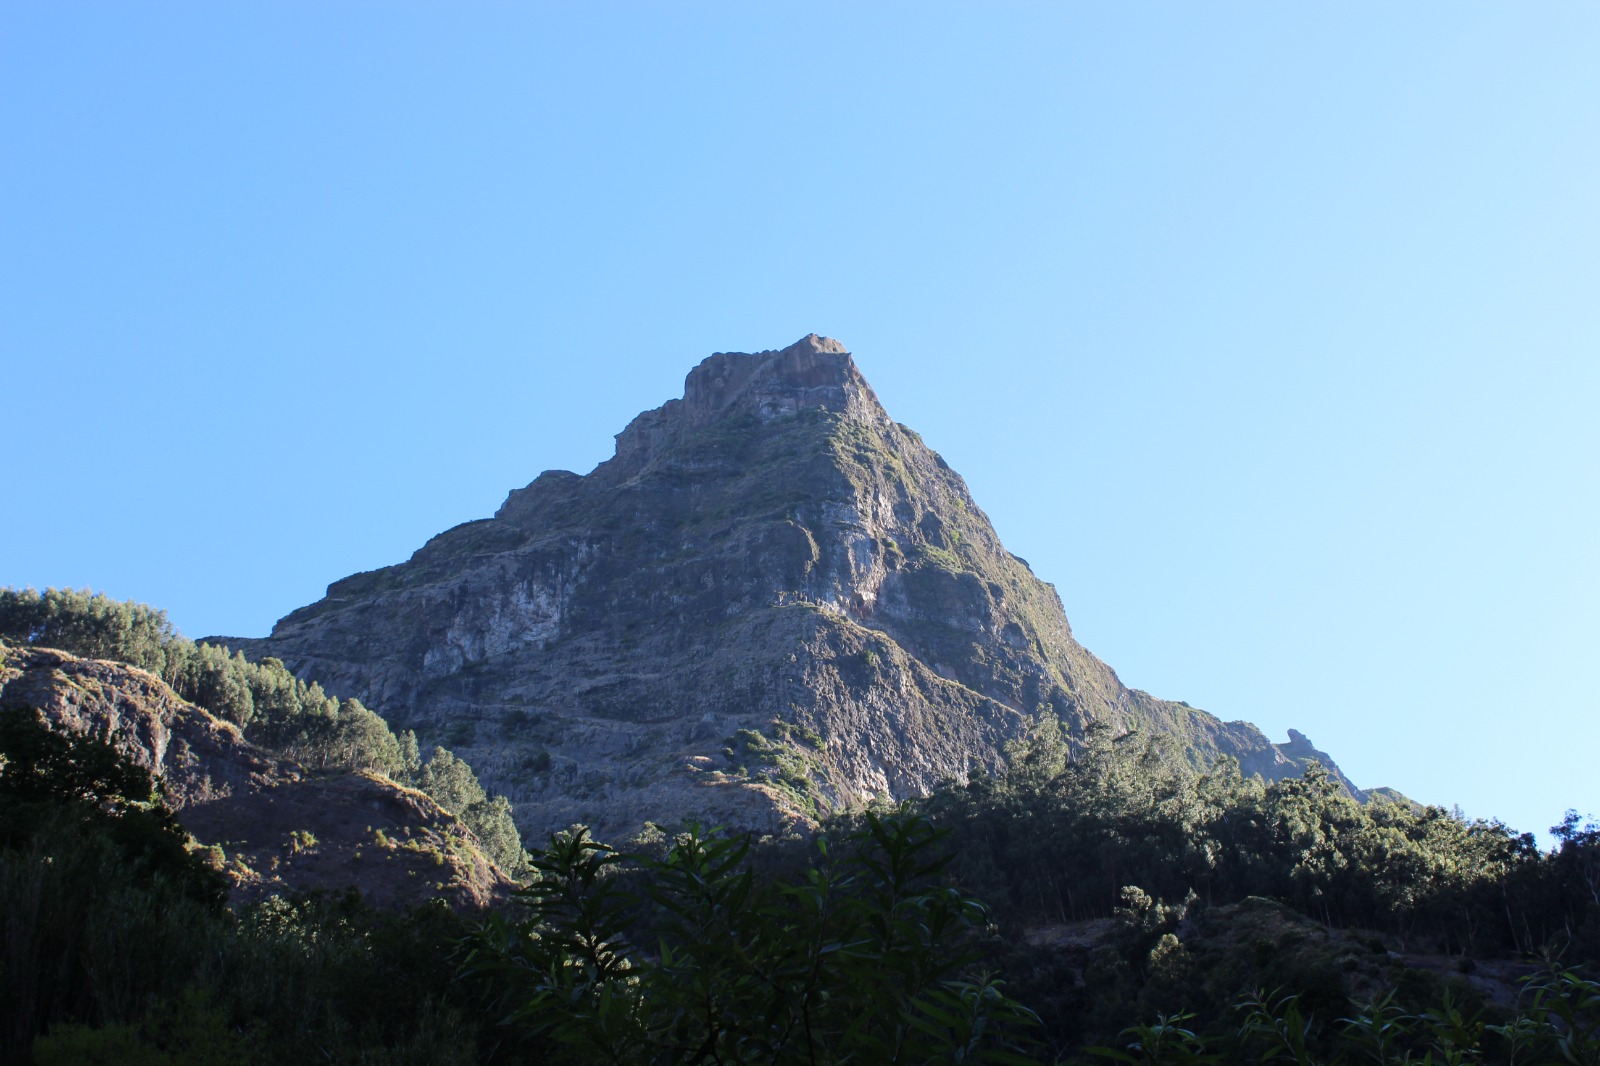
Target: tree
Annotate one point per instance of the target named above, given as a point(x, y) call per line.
point(863, 957)
point(45, 775)
point(450, 782)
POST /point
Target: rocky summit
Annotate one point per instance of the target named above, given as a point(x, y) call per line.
point(773, 601)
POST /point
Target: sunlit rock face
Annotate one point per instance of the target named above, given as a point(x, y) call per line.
point(772, 601)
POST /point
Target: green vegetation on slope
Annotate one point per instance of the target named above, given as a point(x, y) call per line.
point(861, 946)
point(117, 947)
point(1207, 886)
point(275, 709)
point(864, 956)
point(1557, 1022)
point(855, 952)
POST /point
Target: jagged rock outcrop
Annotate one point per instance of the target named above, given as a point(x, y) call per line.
point(1301, 752)
point(278, 827)
point(771, 600)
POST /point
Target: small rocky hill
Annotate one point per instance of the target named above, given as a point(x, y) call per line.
point(270, 825)
point(773, 600)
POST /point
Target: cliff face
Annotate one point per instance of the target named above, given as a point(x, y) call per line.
point(279, 827)
point(772, 600)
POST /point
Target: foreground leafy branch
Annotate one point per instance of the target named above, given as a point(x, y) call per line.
point(1558, 1022)
point(865, 956)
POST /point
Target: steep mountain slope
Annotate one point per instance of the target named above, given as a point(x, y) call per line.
point(771, 600)
point(278, 827)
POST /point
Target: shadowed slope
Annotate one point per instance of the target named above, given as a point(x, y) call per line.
point(280, 827)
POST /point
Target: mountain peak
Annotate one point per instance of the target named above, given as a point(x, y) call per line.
point(774, 601)
point(815, 343)
point(813, 372)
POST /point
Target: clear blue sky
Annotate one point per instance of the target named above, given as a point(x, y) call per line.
point(1270, 333)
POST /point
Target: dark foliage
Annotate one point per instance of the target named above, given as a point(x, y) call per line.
point(117, 948)
point(867, 956)
point(1062, 836)
point(1556, 1022)
point(52, 781)
point(78, 826)
point(1111, 829)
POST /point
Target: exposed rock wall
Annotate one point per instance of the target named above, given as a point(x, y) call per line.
point(773, 599)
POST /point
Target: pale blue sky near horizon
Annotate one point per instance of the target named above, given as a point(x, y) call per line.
point(1269, 333)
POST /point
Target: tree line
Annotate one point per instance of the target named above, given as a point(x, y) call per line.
point(1116, 828)
point(859, 945)
point(1074, 822)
